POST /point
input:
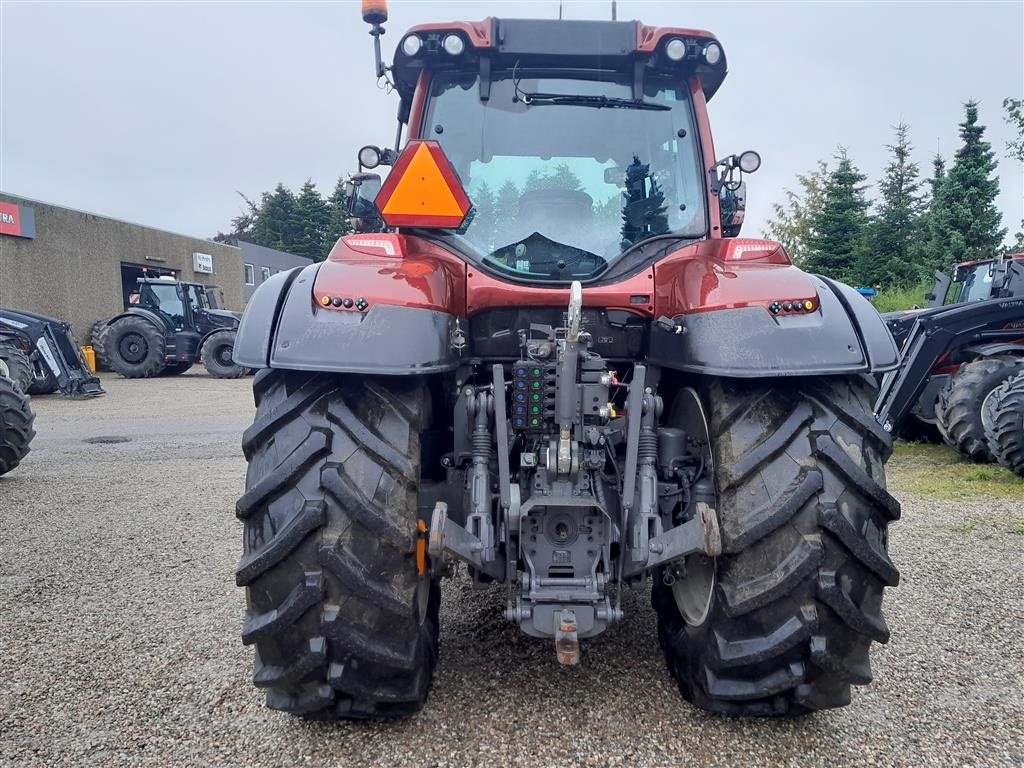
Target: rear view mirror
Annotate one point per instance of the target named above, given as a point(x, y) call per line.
point(361, 190)
point(733, 203)
point(361, 193)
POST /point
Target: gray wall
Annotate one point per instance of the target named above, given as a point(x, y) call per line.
point(259, 256)
point(72, 269)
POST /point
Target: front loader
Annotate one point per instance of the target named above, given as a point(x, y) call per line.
point(971, 350)
point(545, 356)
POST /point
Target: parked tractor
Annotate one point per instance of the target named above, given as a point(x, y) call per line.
point(964, 373)
point(41, 356)
point(16, 419)
point(585, 385)
point(167, 328)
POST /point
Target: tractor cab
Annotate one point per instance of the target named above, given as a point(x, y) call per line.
point(978, 280)
point(185, 306)
point(577, 144)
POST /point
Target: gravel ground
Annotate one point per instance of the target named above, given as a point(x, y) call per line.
point(119, 631)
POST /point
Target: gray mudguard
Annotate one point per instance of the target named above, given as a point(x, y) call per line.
point(846, 336)
point(283, 328)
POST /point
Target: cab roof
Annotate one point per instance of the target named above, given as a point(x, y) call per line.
point(500, 44)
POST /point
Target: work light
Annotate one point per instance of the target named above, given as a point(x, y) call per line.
point(411, 45)
point(676, 49)
point(454, 45)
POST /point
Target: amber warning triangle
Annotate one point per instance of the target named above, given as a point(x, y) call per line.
point(422, 190)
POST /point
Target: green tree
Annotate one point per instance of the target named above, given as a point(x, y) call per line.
point(483, 213)
point(896, 227)
point(837, 239)
point(506, 211)
point(243, 225)
point(929, 253)
point(312, 218)
point(1015, 149)
point(644, 213)
point(1015, 117)
point(276, 225)
point(964, 221)
point(562, 177)
point(790, 223)
point(338, 223)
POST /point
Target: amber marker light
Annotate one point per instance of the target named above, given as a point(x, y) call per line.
point(375, 11)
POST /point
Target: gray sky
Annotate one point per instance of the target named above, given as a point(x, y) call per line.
point(157, 112)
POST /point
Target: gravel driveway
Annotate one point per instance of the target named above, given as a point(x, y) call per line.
point(120, 622)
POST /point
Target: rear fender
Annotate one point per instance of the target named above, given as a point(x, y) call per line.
point(153, 317)
point(996, 348)
point(718, 294)
point(380, 304)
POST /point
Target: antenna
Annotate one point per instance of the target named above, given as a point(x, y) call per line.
point(614, 14)
point(559, 10)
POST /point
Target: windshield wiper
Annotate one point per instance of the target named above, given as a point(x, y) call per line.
point(579, 100)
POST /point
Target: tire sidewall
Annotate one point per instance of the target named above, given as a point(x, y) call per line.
point(149, 366)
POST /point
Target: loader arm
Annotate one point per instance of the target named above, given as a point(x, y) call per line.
point(933, 336)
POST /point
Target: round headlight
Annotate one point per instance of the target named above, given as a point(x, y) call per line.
point(712, 53)
point(749, 161)
point(411, 45)
point(675, 49)
point(369, 157)
point(453, 45)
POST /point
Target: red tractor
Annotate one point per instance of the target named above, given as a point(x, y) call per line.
point(547, 356)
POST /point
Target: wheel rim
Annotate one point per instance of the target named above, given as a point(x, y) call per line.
point(694, 579)
point(224, 355)
point(5, 371)
point(133, 348)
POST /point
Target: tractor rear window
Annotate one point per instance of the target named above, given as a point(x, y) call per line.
point(561, 186)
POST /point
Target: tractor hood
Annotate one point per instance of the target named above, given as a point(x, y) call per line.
point(224, 317)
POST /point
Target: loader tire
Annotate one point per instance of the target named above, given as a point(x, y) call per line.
point(98, 339)
point(15, 365)
point(217, 351)
point(794, 600)
point(16, 420)
point(960, 404)
point(43, 380)
point(136, 348)
point(344, 625)
point(1004, 430)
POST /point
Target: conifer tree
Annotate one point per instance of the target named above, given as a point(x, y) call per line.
point(312, 218)
point(276, 224)
point(964, 221)
point(837, 239)
point(791, 221)
point(893, 232)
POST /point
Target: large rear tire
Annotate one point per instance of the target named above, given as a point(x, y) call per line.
point(960, 404)
point(1004, 430)
point(794, 602)
point(98, 339)
point(136, 348)
point(16, 420)
point(15, 365)
point(217, 356)
point(344, 625)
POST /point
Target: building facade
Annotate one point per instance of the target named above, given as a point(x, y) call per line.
point(259, 263)
point(80, 267)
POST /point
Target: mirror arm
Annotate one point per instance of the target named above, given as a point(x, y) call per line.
point(376, 31)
